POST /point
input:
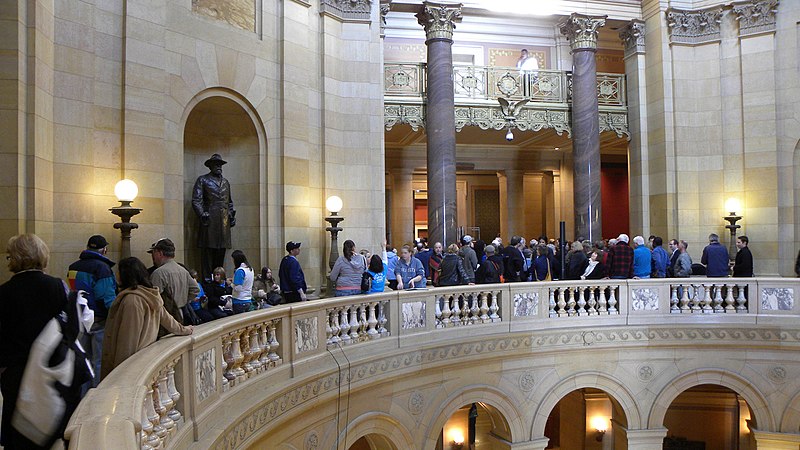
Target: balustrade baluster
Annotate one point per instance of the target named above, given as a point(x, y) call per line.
point(562, 303)
point(551, 303)
point(437, 305)
point(263, 340)
point(164, 405)
point(718, 298)
point(335, 330)
point(740, 299)
point(244, 343)
point(372, 321)
point(227, 361)
point(494, 308)
point(685, 299)
point(484, 307)
point(612, 300)
point(344, 325)
point(150, 434)
point(475, 310)
point(707, 309)
point(238, 357)
point(729, 301)
point(464, 309)
point(673, 299)
point(696, 298)
point(602, 301)
point(592, 301)
point(255, 349)
point(273, 343)
point(581, 301)
point(328, 328)
point(456, 318)
point(354, 323)
point(446, 311)
point(174, 395)
point(570, 294)
point(382, 318)
point(362, 322)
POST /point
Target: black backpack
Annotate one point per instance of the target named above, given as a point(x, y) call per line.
point(366, 282)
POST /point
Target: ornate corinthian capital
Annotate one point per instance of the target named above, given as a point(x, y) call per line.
point(755, 16)
point(439, 19)
point(385, 7)
point(581, 30)
point(347, 10)
point(694, 26)
point(632, 36)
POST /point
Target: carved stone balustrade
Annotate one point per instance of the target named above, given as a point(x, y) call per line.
point(268, 367)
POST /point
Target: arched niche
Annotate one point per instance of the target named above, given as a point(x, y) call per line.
point(587, 418)
point(221, 121)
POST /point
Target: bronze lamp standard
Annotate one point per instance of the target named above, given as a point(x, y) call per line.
point(334, 205)
point(126, 191)
point(732, 205)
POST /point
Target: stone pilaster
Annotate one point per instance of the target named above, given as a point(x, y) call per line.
point(515, 203)
point(581, 30)
point(402, 213)
point(439, 21)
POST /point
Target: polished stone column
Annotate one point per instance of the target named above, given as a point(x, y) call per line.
point(402, 208)
point(581, 30)
point(515, 203)
point(439, 20)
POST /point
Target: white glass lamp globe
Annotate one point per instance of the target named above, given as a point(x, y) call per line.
point(126, 190)
point(334, 204)
point(732, 205)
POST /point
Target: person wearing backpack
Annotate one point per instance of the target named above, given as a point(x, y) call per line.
point(491, 270)
point(374, 279)
point(452, 269)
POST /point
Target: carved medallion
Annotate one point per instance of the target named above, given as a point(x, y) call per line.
point(777, 374)
point(416, 403)
point(527, 382)
point(645, 372)
point(312, 440)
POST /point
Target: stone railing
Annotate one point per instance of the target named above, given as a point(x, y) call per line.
point(169, 395)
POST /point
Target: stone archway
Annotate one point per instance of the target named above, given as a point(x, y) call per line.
point(376, 431)
point(221, 121)
point(754, 398)
point(790, 423)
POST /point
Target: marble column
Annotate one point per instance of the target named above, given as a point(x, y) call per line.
point(439, 20)
point(402, 214)
point(515, 203)
point(581, 30)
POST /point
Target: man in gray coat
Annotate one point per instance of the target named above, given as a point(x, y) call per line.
point(470, 258)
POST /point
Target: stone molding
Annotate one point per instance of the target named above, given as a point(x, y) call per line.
point(755, 16)
point(581, 30)
point(632, 36)
point(385, 6)
point(439, 19)
point(694, 26)
point(347, 10)
point(522, 343)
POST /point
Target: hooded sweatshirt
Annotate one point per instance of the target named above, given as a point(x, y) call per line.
point(133, 323)
point(347, 274)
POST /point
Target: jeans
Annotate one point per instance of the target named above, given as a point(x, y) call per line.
point(346, 292)
point(241, 308)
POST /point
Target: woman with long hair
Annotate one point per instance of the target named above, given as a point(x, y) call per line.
point(215, 290)
point(135, 316)
point(348, 270)
point(242, 283)
point(377, 273)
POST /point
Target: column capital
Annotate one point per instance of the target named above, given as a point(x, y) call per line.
point(439, 19)
point(632, 35)
point(385, 6)
point(755, 16)
point(693, 27)
point(581, 30)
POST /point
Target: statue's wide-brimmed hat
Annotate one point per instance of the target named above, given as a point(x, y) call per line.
point(215, 160)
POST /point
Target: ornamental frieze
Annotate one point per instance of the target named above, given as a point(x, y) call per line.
point(632, 36)
point(755, 16)
point(347, 10)
point(694, 26)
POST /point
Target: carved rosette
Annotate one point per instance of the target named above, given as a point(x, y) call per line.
point(755, 16)
point(581, 30)
point(694, 26)
point(439, 19)
point(632, 36)
point(347, 10)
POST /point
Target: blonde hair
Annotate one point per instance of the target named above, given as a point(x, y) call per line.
point(27, 251)
point(452, 248)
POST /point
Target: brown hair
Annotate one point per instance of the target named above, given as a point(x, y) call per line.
point(27, 251)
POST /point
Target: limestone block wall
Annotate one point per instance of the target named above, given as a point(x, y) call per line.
point(717, 110)
point(96, 91)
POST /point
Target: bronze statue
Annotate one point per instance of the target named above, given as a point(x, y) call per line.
point(211, 200)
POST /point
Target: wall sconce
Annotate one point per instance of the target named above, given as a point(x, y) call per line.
point(126, 192)
point(732, 205)
point(458, 440)
point(599, 424)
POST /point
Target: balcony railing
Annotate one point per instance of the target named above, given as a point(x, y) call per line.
point(166, 395)
point(489, 83)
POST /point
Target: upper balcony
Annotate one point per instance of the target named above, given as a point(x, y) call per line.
point(477, 88)
point(279, 378)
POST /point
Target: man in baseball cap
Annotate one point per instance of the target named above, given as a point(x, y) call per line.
point(292, 278)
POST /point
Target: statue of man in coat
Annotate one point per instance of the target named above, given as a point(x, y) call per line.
point(211, 201)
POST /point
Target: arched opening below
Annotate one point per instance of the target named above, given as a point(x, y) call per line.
point(710, 417)
point(373, 442)
point(220, 125)
point(585, 419)
point(475, 426)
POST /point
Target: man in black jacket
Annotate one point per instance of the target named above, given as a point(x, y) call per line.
point(513, 259)
point(743, 267)
point(489, 272)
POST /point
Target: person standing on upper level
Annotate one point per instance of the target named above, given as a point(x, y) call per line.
point(715, 258)
point(467, 252)
point(743, 266)
point(660, 259)
point(620, 259)
point(642, 259)
point(409, 271)
point(177, 286)
point(291, 276)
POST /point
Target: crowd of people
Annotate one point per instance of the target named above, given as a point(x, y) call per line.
point(169, 298)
